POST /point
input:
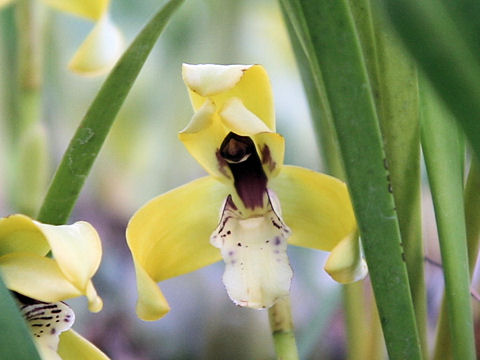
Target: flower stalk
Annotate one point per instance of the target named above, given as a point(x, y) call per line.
point(30, 173)
point(281, 324)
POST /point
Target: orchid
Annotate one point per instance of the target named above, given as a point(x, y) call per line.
point(104, 44)
point(41, 283)
point(263, 204)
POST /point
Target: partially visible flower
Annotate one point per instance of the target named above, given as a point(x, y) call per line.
point(41, 283)
point(102, 47)
point(262, 203)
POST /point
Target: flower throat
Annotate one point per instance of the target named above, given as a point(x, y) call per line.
point(250, 180)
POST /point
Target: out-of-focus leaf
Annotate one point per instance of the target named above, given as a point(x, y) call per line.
point(443, 148)
point(444, 41)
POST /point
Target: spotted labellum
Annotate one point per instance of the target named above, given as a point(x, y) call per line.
point(263, 204)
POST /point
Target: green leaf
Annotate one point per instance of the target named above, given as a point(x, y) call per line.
point(443, 148)
point(90, 135)
point(444, 41)
point(472, 212)
point(398, 112)
point(16, 341)
point(329, 37)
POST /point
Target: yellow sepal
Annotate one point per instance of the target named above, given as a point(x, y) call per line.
point(73, 346)
point(169, 236)
point(316, 207)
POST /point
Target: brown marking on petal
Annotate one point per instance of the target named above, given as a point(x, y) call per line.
point(267, 158)
point(278, 226)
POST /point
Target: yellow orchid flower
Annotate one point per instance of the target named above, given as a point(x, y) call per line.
point(102, 47)
point(40, 283)
point(263, 204)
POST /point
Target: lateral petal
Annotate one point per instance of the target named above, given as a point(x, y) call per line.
point(77, 250)
point(202, 137)
point(345, 263)
point(316, 207)
point(169, 237)
point(19, 233)
point(41, 278)
point(100, 50)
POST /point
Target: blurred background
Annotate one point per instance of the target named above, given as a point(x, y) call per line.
point(143, 158)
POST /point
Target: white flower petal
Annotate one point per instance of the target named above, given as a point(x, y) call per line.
point(208, 79)
point(47, 321)
point(240, 120)
point(257, 270)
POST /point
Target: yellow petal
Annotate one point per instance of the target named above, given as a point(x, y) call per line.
point(20, 233)
point(73, 346)
point(271, 150)
point(40, 278)
point(91, 9)
point(169, 236)
point(220, 83)
point(36, 277)
point(238, 119)
point(316, 207)
point(202, 137)
point(257, 270)
point(345, 263)
point(77, 250)
point(100, 50)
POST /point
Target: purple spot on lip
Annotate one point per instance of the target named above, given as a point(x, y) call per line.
point(278, 241)
point(231, 253)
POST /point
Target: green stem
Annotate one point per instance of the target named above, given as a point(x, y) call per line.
point(281, 324)
point(28, 138)
point(443, 147)
point(356, 320)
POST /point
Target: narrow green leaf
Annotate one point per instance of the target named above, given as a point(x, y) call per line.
point(16, 341)
point(331, 30)
point(353, 294)
point(435, 36)
point(398, 111)
point(472, 212)
point(90, 135)
point(442, 145)
point(314, 89)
